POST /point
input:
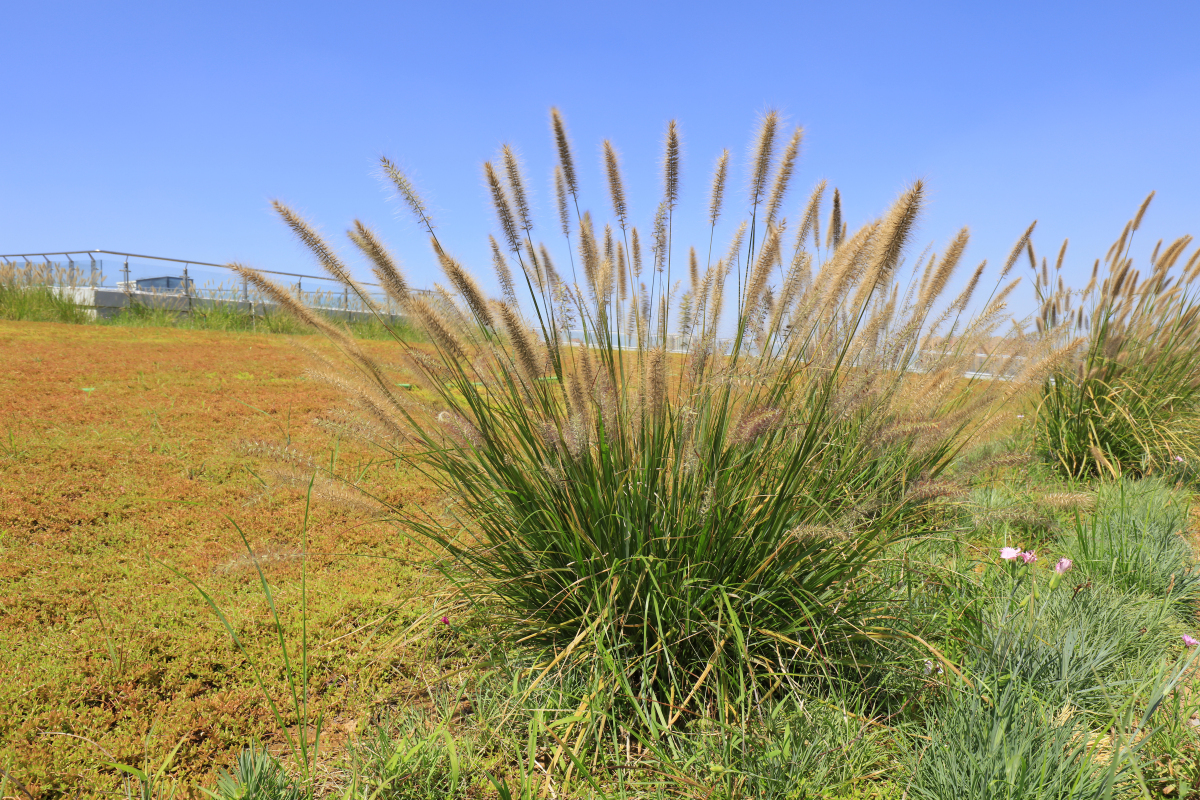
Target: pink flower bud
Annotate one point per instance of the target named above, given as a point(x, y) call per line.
point(445, 620)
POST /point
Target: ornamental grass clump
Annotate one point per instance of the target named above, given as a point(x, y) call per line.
point(1129, 402)
point(41, 293)
point(679, 482)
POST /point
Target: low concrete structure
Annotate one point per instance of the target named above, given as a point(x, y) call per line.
point(106, 302)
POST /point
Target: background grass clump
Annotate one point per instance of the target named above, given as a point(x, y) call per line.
point(1130, 402)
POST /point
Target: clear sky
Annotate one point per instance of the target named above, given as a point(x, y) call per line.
point(167, 128)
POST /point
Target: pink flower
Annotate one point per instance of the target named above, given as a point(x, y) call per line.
point(1010, 553)
point(1029, 557)
point(1062, 566)
point(445, 620)
point(1179, 459)
point(1189, 641)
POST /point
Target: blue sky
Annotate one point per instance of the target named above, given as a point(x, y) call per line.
point(167, 128)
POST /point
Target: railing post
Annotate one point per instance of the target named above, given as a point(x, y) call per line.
point(187, 289)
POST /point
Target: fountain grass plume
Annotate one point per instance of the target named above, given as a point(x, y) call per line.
point(763, 155)
point(503, 273)
point(671, 165)
point(1021, 244)
point(560, 194)
point(717, 197)
point(324, 254)
point(762, 270)
point(636, 247)
point(540, 277)
point(783, 175)
point(622, 267)
point(502, 207)
point(547, 265)
point(412, 198)
point(940, 275)
point(616, 187)
point(588, 253)
point(661, 234)
point(467, 288)
point(383, 265)
point(565, 160)
point(812, 216)
point(516, 186)
point(833, 236)
point(288, 301)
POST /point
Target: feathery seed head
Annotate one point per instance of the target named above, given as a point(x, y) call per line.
point(560, 192)
point(706, 285)
point(784, 175)
point(383, 265)
point(732, 255)
point(522, 342)
point(1192, 268)
point(897, 227)
point(718, 188)
point(754, 424)
point(1137, 220)
point(658, 379)
point(439, 329)
point(539, 276)
point(552, 275)
point(503, 273)
point(671, 165)
point(288, 302)
point(467, 287)
point(504, 212)
point(762, 268)
point(660, 236)
point(636, 245)
point(965, 297)
point(945, 268)
point(685, 313)
point(408, 192)
point(1016, 251)
point(588, 252)
point(764, 153)
point(693, 269)
point(833, 237)
point(616, 188)
point(516, 185)
point(314, 242)
point(564, 151)
point(812, 216)
point(720, 270)
point(622, 282)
